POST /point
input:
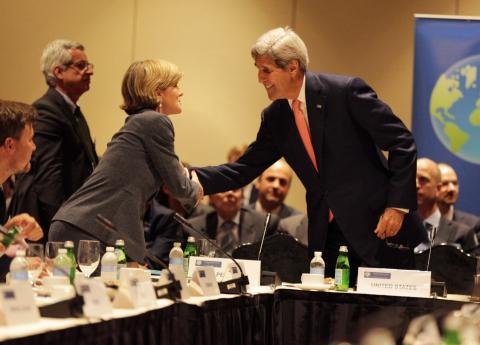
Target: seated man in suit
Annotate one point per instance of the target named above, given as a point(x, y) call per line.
point(448, 231)
point(16, 148)
point(448, 196)
point(297, 226)
point(230, 223)
point(273, 186)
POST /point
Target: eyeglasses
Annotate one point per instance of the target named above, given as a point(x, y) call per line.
point(80, 66)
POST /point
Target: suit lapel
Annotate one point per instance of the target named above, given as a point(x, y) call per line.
point(316, 115)
point(245, 227)
point(211, 225)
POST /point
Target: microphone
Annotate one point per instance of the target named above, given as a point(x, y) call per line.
point(267, 223)
point(431, 238)
point(173, 288)
point(232, 286)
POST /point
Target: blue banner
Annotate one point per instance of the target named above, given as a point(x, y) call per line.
point(446, 100)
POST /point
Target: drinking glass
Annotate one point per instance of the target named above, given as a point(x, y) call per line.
point(205, 248)
point(88, 256)
point(34, 256)
point(51, 252)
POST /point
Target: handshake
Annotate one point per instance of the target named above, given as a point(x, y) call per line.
point(193, 176)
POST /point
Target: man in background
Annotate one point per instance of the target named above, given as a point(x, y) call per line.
point(65, 154)
point(273, 186)
point(448, 195)
point(447, 231)
point(16, 148)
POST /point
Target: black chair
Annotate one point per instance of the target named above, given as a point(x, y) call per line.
point(450, 265)
point(281, 253)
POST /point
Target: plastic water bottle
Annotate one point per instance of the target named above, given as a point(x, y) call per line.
point(120, 253)
point(70, 253)
point(109, 265)
point(342, 270)
point(317, 265)
point(62, 264)
point(190, 250)
point(175, 258)
point(19, 267)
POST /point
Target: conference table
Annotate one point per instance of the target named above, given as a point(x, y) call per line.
point(284, 315)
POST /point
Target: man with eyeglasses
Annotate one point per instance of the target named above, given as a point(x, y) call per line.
point(65, 154)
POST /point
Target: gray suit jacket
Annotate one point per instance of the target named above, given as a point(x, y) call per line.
point(138, 160)
point(465, 218)
point(297, 226)
point(250, 227)
point(453, 232)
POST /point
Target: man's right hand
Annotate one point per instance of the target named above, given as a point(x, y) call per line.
point(200, 189)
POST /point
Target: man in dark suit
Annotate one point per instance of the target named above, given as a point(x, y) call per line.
point(330, 129)
point(447, 231)
point(230, 223)
point(448, 196)
point(273, 186)
point(65, 154)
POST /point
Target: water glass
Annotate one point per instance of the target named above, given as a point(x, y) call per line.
point(35, 259)
point(88, 256)
point(205, 248)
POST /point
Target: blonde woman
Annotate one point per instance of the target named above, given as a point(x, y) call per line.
point(138, 161)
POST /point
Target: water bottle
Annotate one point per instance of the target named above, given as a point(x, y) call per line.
point(175, 258)
point(19, 267)
point(190, 250)
point(121, 256)
point(62, 264)
point(342, 270)
point(70, 253)
point(108, 271)
point(317, 265)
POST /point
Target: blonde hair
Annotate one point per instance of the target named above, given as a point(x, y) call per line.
point(143, 79)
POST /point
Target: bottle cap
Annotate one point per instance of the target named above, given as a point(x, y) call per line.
point(110, 249)
point(62, 251)
point(177, 244)
point(20, 252)
point(318, 253)
point(191, 239)
point(120, 242)
point(68, 244)
point(343, 249)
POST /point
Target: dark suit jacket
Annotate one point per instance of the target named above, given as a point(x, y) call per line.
point(450, 231)
point(465, 218)
point(285, 211)
point(60, 164)
point(349, 126)
point(138, 161)
point(250, 228)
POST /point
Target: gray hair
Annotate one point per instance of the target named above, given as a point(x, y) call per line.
point(283, 45)
point(56, 54)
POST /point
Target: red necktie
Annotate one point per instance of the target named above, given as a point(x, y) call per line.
point(302, 127)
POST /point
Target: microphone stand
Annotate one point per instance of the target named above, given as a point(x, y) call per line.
point(232, 286)
point(431, 238)
point(172, 288)
point(267, 222)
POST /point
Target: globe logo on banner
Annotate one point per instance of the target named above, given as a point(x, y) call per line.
point(455, 109)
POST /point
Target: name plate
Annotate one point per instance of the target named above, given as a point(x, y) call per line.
point(94, 293)
point(17, 304)
point(205, 278)
point(391, 282)
point(142, 293)
point(251, 268)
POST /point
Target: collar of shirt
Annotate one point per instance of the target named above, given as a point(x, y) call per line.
point(303, 99)
point(235, 219)
point(258, 207)
point(449, 214)
point(434, 218)
point(67, 99)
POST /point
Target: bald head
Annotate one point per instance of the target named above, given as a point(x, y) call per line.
point(273, 185)
point(428, 184)
point(448, 194)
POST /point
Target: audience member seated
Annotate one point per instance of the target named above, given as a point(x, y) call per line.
point(161, 229)
point(273, 186)
point(230, 223)
point(448, 196)
point(16, 148)
point(250, 192)
point(448, 231)
point(297, 226)
point(65, 154)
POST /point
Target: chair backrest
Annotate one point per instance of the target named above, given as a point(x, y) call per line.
point(281, 253)
point(450, 265)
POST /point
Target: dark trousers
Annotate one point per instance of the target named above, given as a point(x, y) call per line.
point(335, 239)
